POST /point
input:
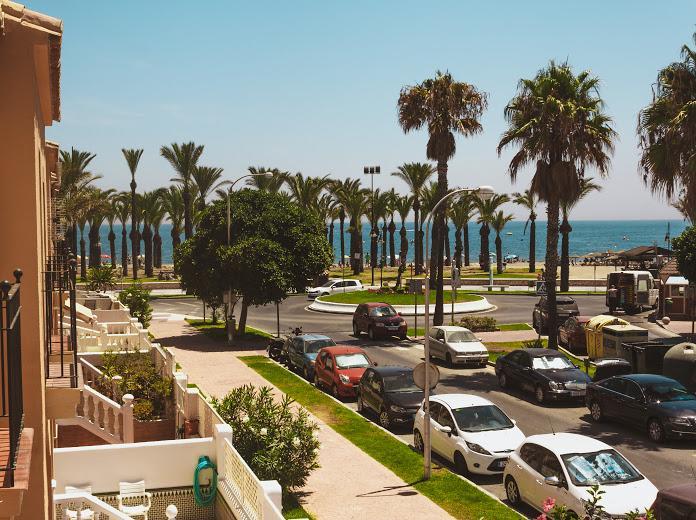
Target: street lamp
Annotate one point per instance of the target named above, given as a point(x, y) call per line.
point(484, 193)
point(372, 171)
point(267, 174)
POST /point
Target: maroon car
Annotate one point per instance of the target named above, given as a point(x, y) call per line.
point(676, 503)
point(571, 334)
point(339, 369)
point(379, 320)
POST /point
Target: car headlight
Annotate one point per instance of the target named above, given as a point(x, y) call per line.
point(379, 324)
point(398, 409)
point(679, 421)
point(344, 378)
point(477, 448)
point(553, 385)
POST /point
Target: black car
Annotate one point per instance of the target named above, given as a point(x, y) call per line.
point(656, 403)
point(391, 393)
point(565, 308)
point(545, 372)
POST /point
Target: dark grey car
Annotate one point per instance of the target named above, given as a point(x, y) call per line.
point(565, 308)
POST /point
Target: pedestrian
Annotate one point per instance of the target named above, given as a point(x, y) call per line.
point(612, 298)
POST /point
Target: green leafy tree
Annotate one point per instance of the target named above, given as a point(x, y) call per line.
point(276, 246)
point(684, 247)
point(137, 298)
point(101, 278)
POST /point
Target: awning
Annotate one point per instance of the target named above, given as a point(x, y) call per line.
point(677, 280)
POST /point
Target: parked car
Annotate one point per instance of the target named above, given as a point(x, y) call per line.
point(301, 351)
point(546, 373)
point(378, 320)
point(571, 334)
point(391, 393)
point(659, 405)
point(565, 308)
point(563, 466)
point(457, 345)
point(339, 369)
point(469, 431)
point(676, 503)
point(334, 286)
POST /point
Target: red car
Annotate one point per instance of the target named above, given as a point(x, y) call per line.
point(378, 320)
point(339, 369)
point(571, 334)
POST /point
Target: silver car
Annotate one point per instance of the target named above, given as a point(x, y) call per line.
point(457, 346)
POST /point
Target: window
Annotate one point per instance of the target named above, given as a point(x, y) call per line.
point(550, 465)
point(615, 384)
point(445, 418)
point(481, 418)
point(338, 285)
point(351, 283)
point(400, 382)
point(461, 336)
point(382, 311)
point(316, 345)
point(642, 284)
point(667, 392)
point(377, 383)
point(633, 390)
point(435, 409)
point(356, 360)
point(367, 377)
point(440, 335)
point(532, 454)
point(599, 467)
point(328, 362)
point(551, 363)
point(516, 357)
point(678, 290)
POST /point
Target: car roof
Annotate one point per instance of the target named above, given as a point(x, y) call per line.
point(563, 443)
point(313, 336)
point(460, 400)
point(682, 492)
point(538, 352)
point(343, 349)
point(377, 304)
point(450, 327)
point(647, 379)
point(391, 369)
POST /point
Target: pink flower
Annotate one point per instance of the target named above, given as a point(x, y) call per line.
point(542, 516)
point(548, 504)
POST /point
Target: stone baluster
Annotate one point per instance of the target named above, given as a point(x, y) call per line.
point(127, 413)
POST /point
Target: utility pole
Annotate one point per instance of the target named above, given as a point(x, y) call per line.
point(372, 171)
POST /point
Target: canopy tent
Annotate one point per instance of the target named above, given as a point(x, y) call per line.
point(643, 253)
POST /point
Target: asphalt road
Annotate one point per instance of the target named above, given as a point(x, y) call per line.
point(665, 465)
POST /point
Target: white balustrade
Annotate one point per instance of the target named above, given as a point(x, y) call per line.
point(103, 417)
point(77, 503)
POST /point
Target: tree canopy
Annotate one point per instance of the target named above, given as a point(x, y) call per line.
point(685, 250)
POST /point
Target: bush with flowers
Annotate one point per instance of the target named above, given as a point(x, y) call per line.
point(593, 509)
point(276, 439)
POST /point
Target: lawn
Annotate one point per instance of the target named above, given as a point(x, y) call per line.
point(293, 509)
point(394, 299)
point(217, 331)
point(499, 348)
point(514, 326)
point(454, 495)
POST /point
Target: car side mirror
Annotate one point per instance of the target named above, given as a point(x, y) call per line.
point(375, 364)
point(552, 481)
point(447, 430)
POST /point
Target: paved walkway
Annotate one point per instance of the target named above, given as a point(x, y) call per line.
point(349, 484)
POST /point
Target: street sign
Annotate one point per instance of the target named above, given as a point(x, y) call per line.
point(356, 256)
point(415, 286)
point(419, 375)
point(540, 287)
point(456, 278)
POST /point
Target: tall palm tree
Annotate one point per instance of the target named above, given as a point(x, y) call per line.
point(667, 131)
point(306, 190)
point(430, 197)
point(461, 212)
point(379, 201)
point(206, 180)
point(99, 206)
point(487, 210)
point(151, 205)
point(446, 107)
point(173, 202)
point(557, 122)
point(340, 191)
point(528, 200)
point(567, 204)
point(392, 226)
point(183, 158)
point(156, 220)
point(403, 205)
point(416, 175)
point(272, 184)
point(498, 223)
point(111, 216)
point(123, 213)
point(687, 210)
point(132, 156)
point(75, 177)
point(356, 203)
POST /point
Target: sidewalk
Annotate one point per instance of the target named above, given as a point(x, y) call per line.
point(349, 484)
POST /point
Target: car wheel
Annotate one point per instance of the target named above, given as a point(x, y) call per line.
point(371, 332)
point(539, 394)
point(512, 491)
point(460, 464)
point(502, 380)
point(402, 337)
point(317, 383)
point(334, 392)
point(384, 419)
point(656, 431)
point(356, 330)
point(418, 441)
point(360, 405)
point(535, 326)
point(448, 359)
point(305, 373)
point(596, 411)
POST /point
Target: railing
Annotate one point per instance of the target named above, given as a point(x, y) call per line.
point(85, 506)
point(103, 417)
point(11, 366)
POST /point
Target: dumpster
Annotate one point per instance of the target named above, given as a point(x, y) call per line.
point(594, 331)
point(608, 367)
point(680, 363)
point(646, 357)
point(613, 336)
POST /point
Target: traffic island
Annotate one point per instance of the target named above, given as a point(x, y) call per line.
point(402, 303)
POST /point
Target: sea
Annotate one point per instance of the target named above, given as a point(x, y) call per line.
point(588, 236)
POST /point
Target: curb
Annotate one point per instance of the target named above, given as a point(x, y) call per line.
point(319, 305)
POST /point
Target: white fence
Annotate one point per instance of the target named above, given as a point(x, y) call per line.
point(83, 506)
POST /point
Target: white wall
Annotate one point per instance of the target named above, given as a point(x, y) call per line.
point(162, 464)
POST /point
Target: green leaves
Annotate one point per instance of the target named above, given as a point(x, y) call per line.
point(137, 298)
point(685, 250)
point(101, 278)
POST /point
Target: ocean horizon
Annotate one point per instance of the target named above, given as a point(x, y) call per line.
point(588, 236)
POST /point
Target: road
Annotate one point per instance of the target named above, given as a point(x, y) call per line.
point(665, 465)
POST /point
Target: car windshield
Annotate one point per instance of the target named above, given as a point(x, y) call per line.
point(383, 311)
point(461, 336)
point(356, 360)
point(401, 382)
point(599, 467)
point(551, 363)
point(315, 345)
point(481, 418)
point(329, 283)
point(666, 392)
point(564, 301)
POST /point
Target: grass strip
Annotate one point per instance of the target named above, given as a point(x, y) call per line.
point(454, 495)
point(218, 332)
point(500, 348)
point(293, 509)
point(514, 326)
point(395, 299)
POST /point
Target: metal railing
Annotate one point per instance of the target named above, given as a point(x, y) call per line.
point(11, 367)
point(61, 330)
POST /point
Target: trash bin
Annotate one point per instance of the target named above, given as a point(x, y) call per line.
point(608, 367)
point(594, 331)
point(680, 363)
point(647, 357)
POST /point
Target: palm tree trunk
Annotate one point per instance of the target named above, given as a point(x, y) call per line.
point(134, 230)
point(343, 245)
point(354, 247)
point(403, 242)
point(438, 316)
point(552, 211)
point(83, 259)
point(532, 245)
point(458, 247)
point(147, 238)
point(112, 245)
point(445, 237)
point(188, 224)
point(417, 237)
point(124, 250)
point(176, 238)
point(383, 256)
point(498, 253)
point(374, 233)
point(484, 257)
point(565, 254)
point(73, 237)
point(157, 253)
point(392, 245)
point(331, 242)
point(465, 232)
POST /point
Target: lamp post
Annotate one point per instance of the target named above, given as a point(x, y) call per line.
point(372, 171)
point(230, 329)
point(484, 193)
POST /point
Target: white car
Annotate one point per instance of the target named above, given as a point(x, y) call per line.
point(469, 431)
point(334, 286)
point(563, 466)
point(457, 345)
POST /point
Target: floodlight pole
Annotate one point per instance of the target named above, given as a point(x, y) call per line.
point(372, 171)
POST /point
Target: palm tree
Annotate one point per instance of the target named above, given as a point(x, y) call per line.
point(461, 212)
point(403, 205)
point(132, 157)
point(487, 210)
point(123, 213)
point(271, 184)
point(557, 122)
point(446, 107)
point(340, 191)
point(206, 179)
point(430, 197)
point(528, 200)
point(416, 175)
point(111, 216)
point(378, 210)
point(498, 223)
point(306, 190)
point(392, 227)
point(75, 177)
point(356, 203)
point(156, 219)
point(99, 206)
point(151, 205)
point(173, 202)
point(667, 131)
point(567, 205)
point(687, 210)
point(183, 158)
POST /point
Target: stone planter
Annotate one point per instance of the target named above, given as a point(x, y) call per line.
point(157, 430)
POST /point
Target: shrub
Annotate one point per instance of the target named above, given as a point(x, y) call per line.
point(277, 442)
point(143, 410)
point(101, 278)
point(533, 343)
point(593, 509)
point(137, 298)
point(478, 323)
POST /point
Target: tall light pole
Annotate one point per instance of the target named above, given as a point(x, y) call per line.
point(230, 330)
point(484, 193)
point(372, 171)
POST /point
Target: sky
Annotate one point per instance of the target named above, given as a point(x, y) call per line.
point(312, 86)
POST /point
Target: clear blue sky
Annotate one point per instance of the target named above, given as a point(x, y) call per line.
point(312, 86)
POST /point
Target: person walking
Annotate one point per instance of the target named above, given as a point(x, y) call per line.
point(613, 298)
